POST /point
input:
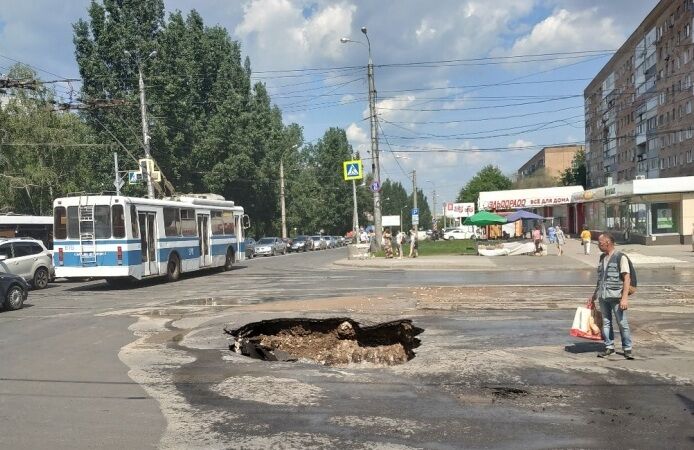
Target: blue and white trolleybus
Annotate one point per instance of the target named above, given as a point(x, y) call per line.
point(117, 237)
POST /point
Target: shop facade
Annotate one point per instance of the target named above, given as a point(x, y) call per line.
point(552, 203)
point(657, 211)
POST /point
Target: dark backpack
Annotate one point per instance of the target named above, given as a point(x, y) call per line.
point(632, 274)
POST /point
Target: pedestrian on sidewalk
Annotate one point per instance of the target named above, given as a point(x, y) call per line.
point(561, 240)
point(612, 292)
point(585, 240)
point(414, 244)
point(399, 240)
point(537, 239)
point(388, 243)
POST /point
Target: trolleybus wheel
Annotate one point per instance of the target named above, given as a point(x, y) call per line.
point(173, 268)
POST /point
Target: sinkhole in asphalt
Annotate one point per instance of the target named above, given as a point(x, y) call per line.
point(332, 341)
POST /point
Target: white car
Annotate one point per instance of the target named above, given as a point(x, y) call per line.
point(457, 233)
point(27, 258)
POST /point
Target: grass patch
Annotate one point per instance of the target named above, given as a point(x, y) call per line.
point(435, 248)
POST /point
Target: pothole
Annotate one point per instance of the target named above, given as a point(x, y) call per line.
point(333, 341)
point(508, 392)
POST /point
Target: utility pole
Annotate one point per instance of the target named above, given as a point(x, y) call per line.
point(145, 126)
point(355, 213)
point(145, 133)
point(414, 195)
point(376, 167)
point(284, 215)
point(116, 181)
point(434, 212)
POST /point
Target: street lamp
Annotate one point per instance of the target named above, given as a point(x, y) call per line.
point(143, 113)
point(374, 136)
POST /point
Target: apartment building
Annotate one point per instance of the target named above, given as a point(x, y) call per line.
point(552, 161)
point(639, 121)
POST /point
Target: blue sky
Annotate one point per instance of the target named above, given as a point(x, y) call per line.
point(437, 118)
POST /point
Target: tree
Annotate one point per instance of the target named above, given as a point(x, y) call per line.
point(43, 154)
point(489, 178)
point(576, 174)
point(538, 179)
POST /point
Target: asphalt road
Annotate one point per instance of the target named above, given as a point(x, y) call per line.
point(84, 365)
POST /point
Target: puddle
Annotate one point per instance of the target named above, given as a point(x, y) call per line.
point(334, 341)
point(207, 301)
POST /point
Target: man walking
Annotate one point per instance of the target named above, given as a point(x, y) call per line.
point(413, 244)
point(585, 240)
point(612, 291)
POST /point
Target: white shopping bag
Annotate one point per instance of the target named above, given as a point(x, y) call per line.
point(581, 326)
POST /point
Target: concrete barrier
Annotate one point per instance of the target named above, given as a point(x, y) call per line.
point(358, 251)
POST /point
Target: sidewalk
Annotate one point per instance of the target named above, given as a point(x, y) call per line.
point(661, 256)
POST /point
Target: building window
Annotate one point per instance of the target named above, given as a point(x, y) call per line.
point(689, 156)
point(665, 218)
point(688, 107)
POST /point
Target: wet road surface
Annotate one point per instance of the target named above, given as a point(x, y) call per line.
point(85, 365)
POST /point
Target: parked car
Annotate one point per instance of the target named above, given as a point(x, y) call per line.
point(319, 243)
point(250, 248)
point(329, 241)
point(301, 244)
point(27, 258)
point(457, 233)
point(270, 246)
point(13, 291)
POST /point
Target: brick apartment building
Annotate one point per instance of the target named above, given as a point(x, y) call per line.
point(639, 118)
point(551, 161)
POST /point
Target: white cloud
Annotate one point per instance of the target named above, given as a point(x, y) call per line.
point(278, 35)
point(566, 31)
point(358, 138)
point(346, 99)
point(520, 143)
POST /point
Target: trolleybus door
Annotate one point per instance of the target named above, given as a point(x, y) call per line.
point(204, 239)
point(148, 243)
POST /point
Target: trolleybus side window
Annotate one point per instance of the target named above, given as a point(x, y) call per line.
point(133, 222)
point(188, 227)
point(118, 221)
point(73, 223)
point(217, 223)
point(102, 221)
point(172, 222)
point(228, 222)
point(60, 222)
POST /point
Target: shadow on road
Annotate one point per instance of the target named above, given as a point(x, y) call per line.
point(584, 347)
point(128, 285)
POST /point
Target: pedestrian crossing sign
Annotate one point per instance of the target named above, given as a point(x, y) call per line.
point(353, 170)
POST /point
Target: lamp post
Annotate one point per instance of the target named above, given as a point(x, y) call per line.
point(376, 169)
point(145, 125)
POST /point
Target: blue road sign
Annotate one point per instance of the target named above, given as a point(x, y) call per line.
point(415, 211)
point(375, 186)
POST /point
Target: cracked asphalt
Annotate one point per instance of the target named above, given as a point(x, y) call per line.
point(87, 366)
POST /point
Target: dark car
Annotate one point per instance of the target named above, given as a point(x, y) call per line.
point(250, 248)
point(302, 244)
point(13, 291)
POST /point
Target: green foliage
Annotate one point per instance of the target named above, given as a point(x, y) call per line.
point(576, 174)
point(489, 178)
point(43, 155)
point(319, 197)
point(538, 179)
